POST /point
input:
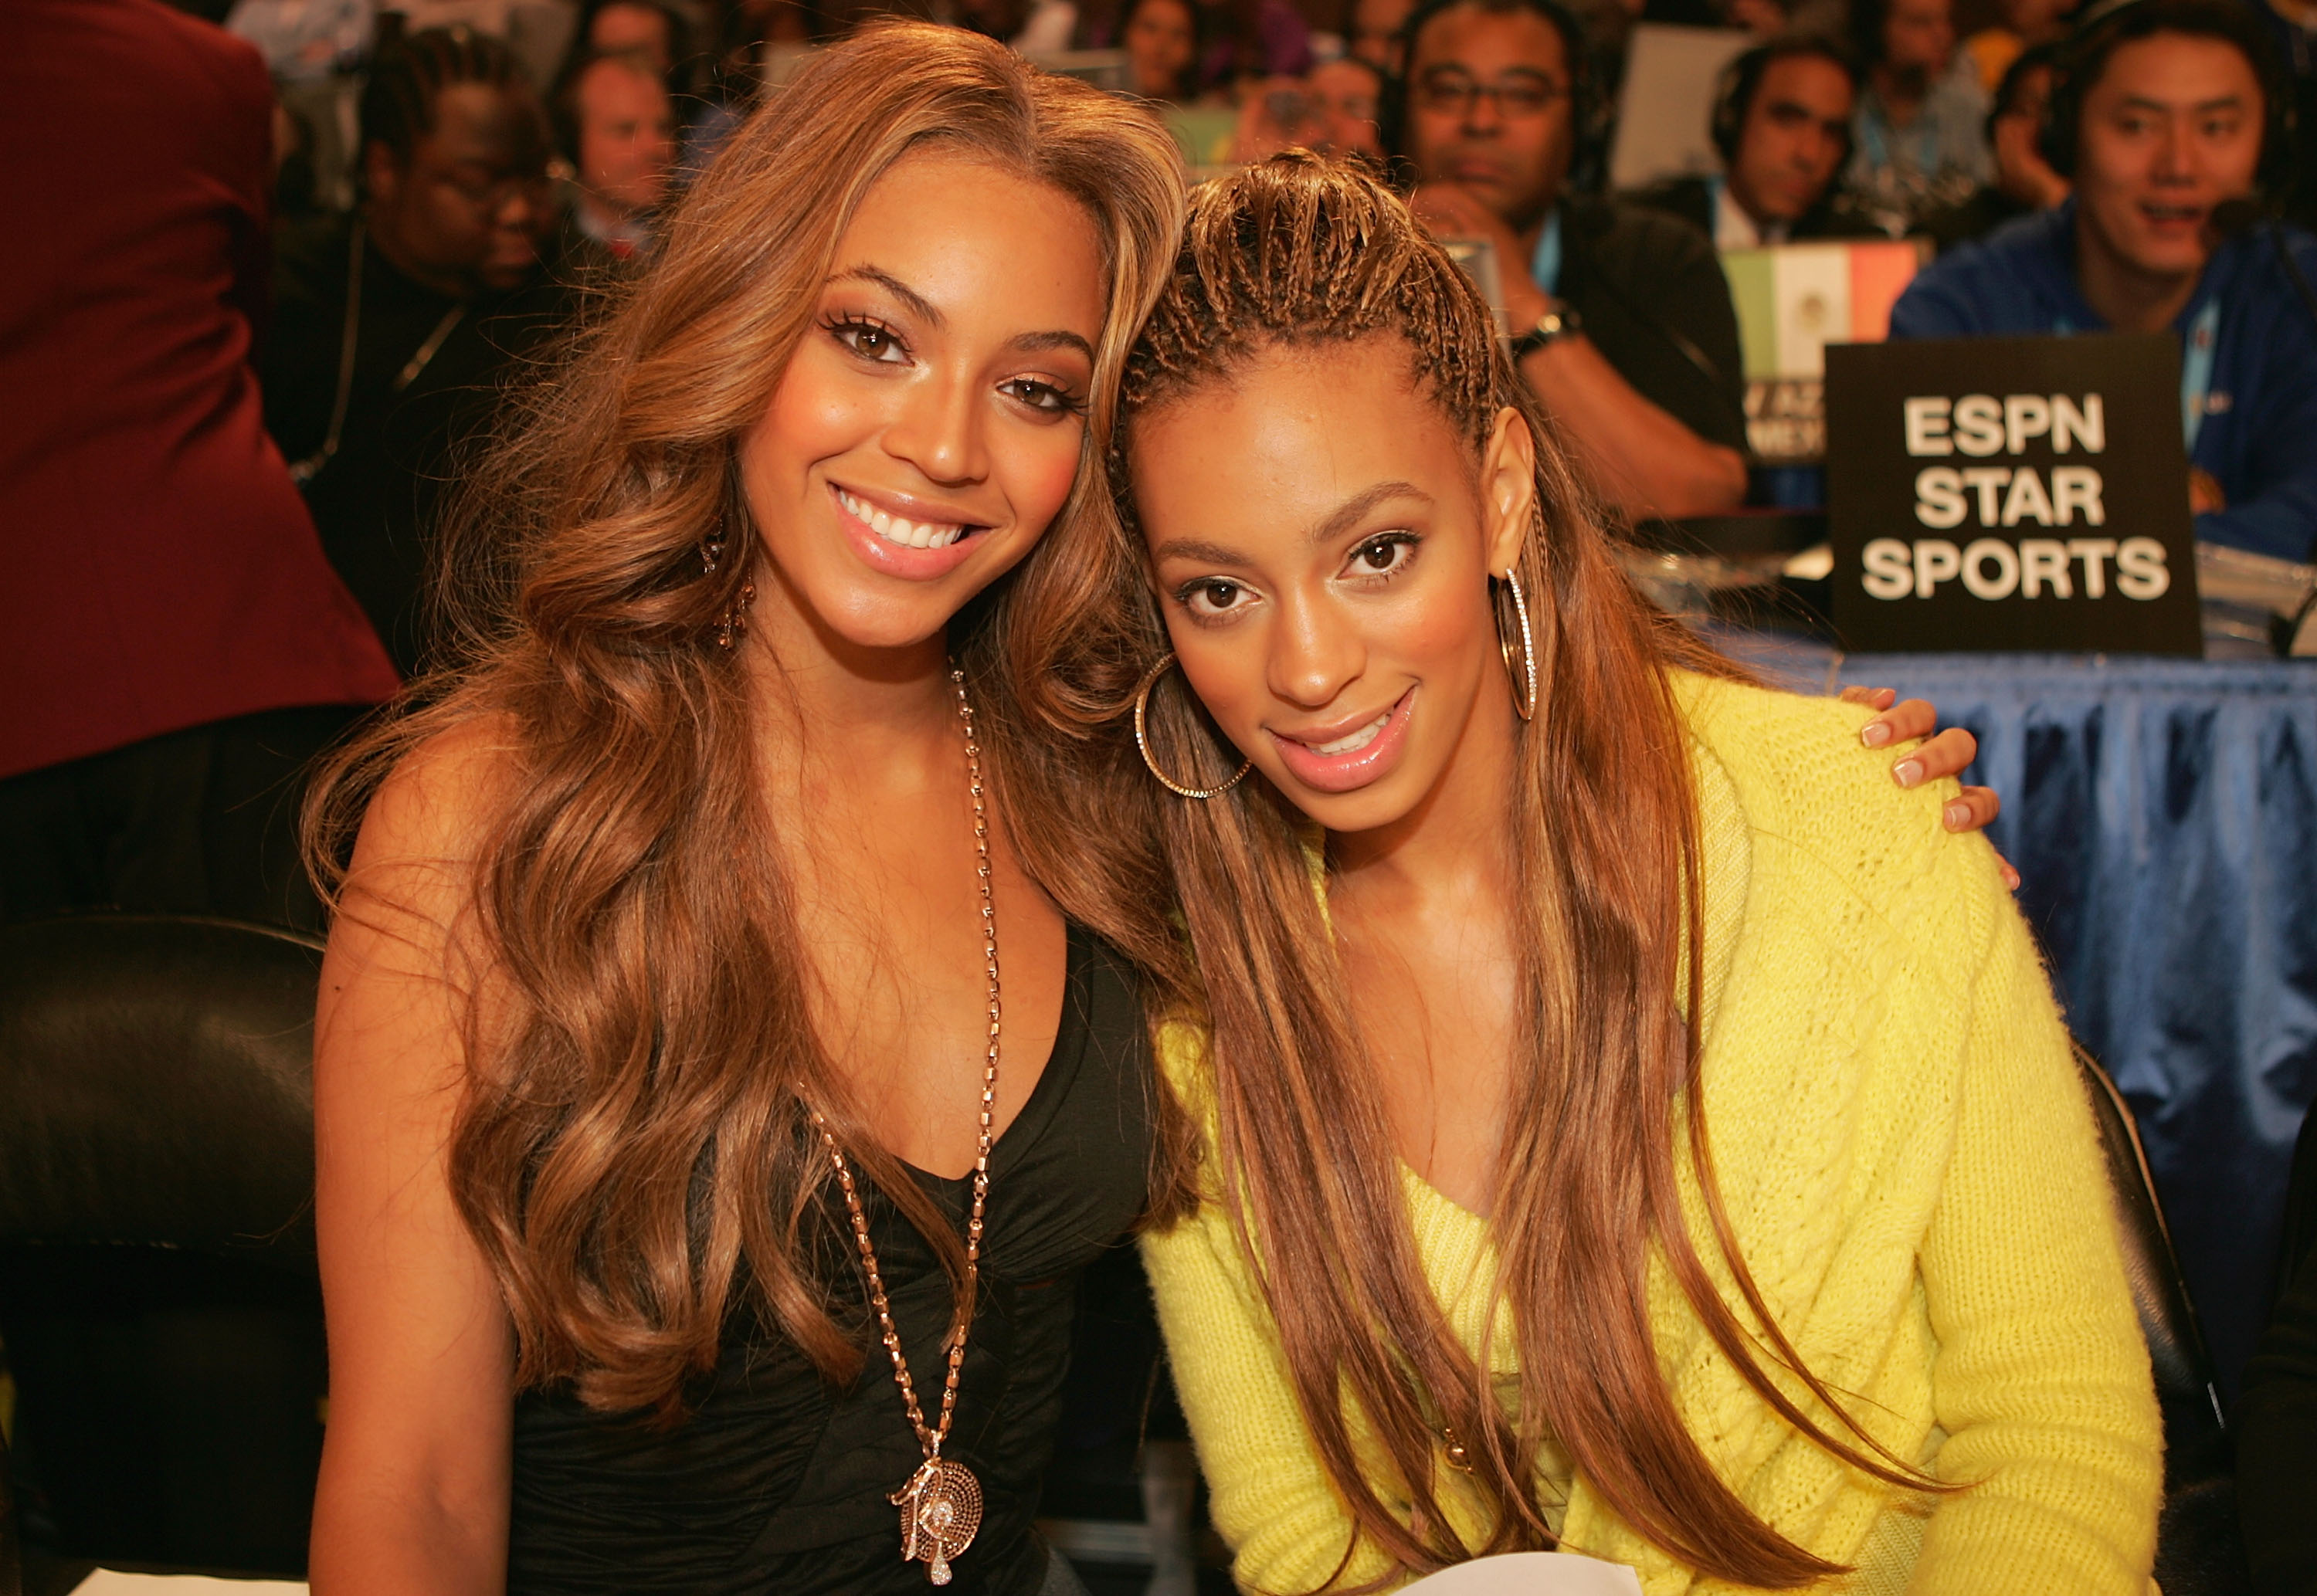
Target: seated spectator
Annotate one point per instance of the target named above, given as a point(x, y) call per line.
point(1161, 41)
point(1349, 94)
point(2025, 24)
point(174, 646)
point(2023, 178)
point(1921, 141)
point(1781, 121)
point(1333, 111)
point(634, 26)
point(1622, 321)
point(1376, 27)
point(436, 287)
point(2162, 120)
point(1251, 38)
point(616, 125)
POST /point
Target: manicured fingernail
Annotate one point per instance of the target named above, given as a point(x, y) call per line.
point(1907, 772)
point(1958, 815)
point(1876, 734)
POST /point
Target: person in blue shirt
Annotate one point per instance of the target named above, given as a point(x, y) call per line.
point(2168, 118)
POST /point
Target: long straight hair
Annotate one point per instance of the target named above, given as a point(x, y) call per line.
point(1604, 1110)
point(632, 1151)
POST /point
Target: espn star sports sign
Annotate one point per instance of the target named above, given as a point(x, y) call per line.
point(1999, 494)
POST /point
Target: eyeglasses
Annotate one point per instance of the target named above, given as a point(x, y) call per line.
point(1517, 98)
point(492, 194)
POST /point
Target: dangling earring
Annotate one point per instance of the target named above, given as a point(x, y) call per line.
point(1524, 672)
point(732, 625)
point(1142, 741)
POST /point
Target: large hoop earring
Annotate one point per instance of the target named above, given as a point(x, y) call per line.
point(1142, 741)
point(1523, 671)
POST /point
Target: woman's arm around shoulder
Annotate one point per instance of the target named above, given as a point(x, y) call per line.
point(2041, 1378)
point(415, 1461)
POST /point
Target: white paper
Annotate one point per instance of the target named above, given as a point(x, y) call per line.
point(111, 1581)
point(1532, 1574)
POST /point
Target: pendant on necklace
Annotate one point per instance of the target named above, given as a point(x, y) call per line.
point(941, 1510)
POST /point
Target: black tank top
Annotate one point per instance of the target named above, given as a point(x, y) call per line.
point(776, 1482)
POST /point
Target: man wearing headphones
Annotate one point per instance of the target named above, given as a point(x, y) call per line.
point(2169, 118)
point(1622, 320)
point(1781, 120)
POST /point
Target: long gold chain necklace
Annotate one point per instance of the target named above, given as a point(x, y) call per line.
point(941, 1503)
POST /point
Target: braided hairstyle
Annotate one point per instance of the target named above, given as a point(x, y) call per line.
point(398, 102)
point(1303, 255)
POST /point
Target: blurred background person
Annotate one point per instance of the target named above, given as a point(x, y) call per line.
point(2166, 119)
point(1161, 41)
point(173, 645)
point(1781, 123)
point(1921, 141)
point(615, 123)
point(2024, 180)
point(2025, 24)
point(1349, 93)
point(1621, 317)
point(1251, 39)
point(635, 27)
point(1375, 32)
point(397, 325)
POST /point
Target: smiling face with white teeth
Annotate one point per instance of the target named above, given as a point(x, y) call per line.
point(930, 425)
point(1322, 538)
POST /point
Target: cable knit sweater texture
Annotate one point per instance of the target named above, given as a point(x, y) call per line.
point(1905, 1151)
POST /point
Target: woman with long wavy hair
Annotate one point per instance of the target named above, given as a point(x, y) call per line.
point(665, 1010)
point(1630, 1124)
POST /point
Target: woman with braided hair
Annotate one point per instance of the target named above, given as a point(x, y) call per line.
point(1630, 1124)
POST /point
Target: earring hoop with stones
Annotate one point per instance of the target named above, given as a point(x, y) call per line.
point(1523, 671)
point(1142, 741)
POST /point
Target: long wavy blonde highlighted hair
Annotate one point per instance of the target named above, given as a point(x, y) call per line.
point(631, 1152)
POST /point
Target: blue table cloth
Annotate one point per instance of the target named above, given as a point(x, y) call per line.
point(2163, 816)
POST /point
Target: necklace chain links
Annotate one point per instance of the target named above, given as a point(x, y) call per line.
point(940, 1503)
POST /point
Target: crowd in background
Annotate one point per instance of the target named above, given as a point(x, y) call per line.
point(421, 200)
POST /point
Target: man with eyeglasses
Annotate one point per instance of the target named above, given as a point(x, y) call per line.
point(395, 328)
point(1621, 318)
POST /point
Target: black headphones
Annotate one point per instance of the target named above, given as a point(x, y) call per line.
point(2106, 26)
point(1588, 116)
point(1742, 79)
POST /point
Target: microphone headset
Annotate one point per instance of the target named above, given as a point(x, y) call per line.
point(1742, 79)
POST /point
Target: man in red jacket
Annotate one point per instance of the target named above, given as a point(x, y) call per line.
point(172, 643)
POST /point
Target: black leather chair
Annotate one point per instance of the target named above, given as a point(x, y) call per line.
point(158, 1298)
point(2199, 1547)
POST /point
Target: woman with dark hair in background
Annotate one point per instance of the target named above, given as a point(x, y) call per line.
point(1629, 1125)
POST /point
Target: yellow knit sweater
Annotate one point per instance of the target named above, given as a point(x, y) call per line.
point(1910, 1167)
